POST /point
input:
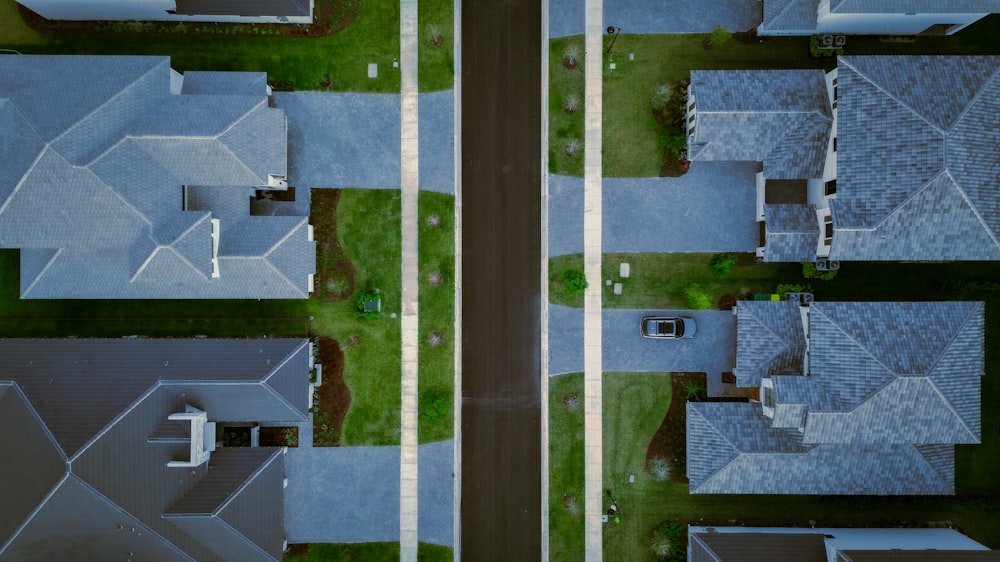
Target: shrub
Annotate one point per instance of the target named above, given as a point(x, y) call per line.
point(433, 221)
point(809, 271)
point(720, 35)
point(574, 282)
point(571, 54)
point(359, 305)
point(723, 263)
point(817, 53)
point(434, 405)
point(673, 141)
point(571, 402)
point(698, 299)
point(666, 541)
point(571, 503)
point(434, 278)
point(434, 36)
point(435, 339)
point(659, 468)
point(661, 96)
point(571, 103)
point(572, 147)
point(785, 288)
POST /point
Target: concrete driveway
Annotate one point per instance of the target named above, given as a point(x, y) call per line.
point(712, 350)
point(712, 208)
point(566, 17)
point(351, 494)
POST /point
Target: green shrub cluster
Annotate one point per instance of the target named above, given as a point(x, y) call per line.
point(698, 298)
point(817, 53)
point(809, 271)
point(723, 263)
point(574, 282)
point(668, 542)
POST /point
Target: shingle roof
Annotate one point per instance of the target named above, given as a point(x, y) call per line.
point(914, 6)
point(890, 386)
point(792, 232)
point(770, 339)
point(106, 403)
point(757, 547)
point(916, 169)
point(779, 117)
point(244, 7)
point(789, 16)
point(120, 147)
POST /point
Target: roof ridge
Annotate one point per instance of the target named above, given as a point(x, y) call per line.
point(244, 538)
point(968, 201)
point(774, 334)
point(24, 177)
point(41, 273)
point(233, 125)
point(933, 383)
point(246, 482)
point(115, 96)
point(185, 260)
point(708, 550)
point(27, 520)
point(979, 93)
point(114, 421)
point(877, 86)
point(738, 452)
point(863, 348)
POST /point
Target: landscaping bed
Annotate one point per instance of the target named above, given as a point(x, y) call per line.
point(335, 274)
point(669, 445)
point(332, 399)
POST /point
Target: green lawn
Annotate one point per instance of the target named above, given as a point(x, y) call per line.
point(437, 63)
point(371, 552)
point(565, 126)
point(634, 407)
point(437, 315)
point(372, 367)
point(373, 37)
point(13, 31)
point(566, 467)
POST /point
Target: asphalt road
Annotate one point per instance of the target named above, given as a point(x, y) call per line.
point(501, 308)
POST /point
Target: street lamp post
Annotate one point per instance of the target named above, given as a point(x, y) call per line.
point(616, 31)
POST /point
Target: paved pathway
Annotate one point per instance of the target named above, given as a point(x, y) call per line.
point(711, 350)
point(592, 348)
point(351, 494)
point(658, 16)
point(712, 208)
point(410, 140)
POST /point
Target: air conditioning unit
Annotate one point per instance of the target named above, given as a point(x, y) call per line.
point(797, 297)
point(833, 265)
point(807, 298)
point(839, 41)
point(822, 264)
point(826, 41)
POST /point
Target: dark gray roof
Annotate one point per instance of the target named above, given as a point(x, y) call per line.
point(890, 387)
point(106, 403)
point(770, 339)
point(792, 232)
point(914, 6)
point(99, 150)
point(915, 165)
point(757, 547)
point(790, 17)
point(244, 7)
point(779, 117)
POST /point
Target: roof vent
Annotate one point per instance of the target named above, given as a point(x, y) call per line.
point(201, 448)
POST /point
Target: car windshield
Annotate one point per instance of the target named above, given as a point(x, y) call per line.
point(678, 327)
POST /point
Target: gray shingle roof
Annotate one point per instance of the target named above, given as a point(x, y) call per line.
point(779, 117)
point(916, 168)
point(106, 403)
point(914, 6)
point(244, 7)
point(792, 232)
point(100, 209)
point(757, 547)
point(769, 340)
point(789, 17)
point(891, 387)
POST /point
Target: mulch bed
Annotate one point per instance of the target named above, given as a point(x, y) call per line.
point(329, 17)
point(275, 437)
point(334, 400)
point(670, 442)
point(335, 274)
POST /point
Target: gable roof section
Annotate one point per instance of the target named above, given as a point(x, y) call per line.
point(789, 17)
point(792, 232)
point(20, 146)
point(779, 117)
point(914, 6)
point(224, 83)
point(917, 167)
point(776, 462)
point(770, 339)
point(757, 547)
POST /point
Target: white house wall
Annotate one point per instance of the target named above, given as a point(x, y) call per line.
point(889, 24)
point(140, 10)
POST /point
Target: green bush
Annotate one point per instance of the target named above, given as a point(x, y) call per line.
point(661, 95)
point(723, 263)
point(434, 405)
point(818, 53)
point(785, 288)
point(668, 542)
point(698, 299)
point(809, 271)
point(720, 35)
point(575, 282)
point(359, 305)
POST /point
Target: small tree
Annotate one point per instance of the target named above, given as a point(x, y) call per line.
point(572, 147)
point(434, 36)
point(571, 103)
point(571, 56)
point(723, 263)
point(661, 96)
point(574, 282)
point(659, 468)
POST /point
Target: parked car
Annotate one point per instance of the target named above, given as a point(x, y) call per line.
point(667, 327)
